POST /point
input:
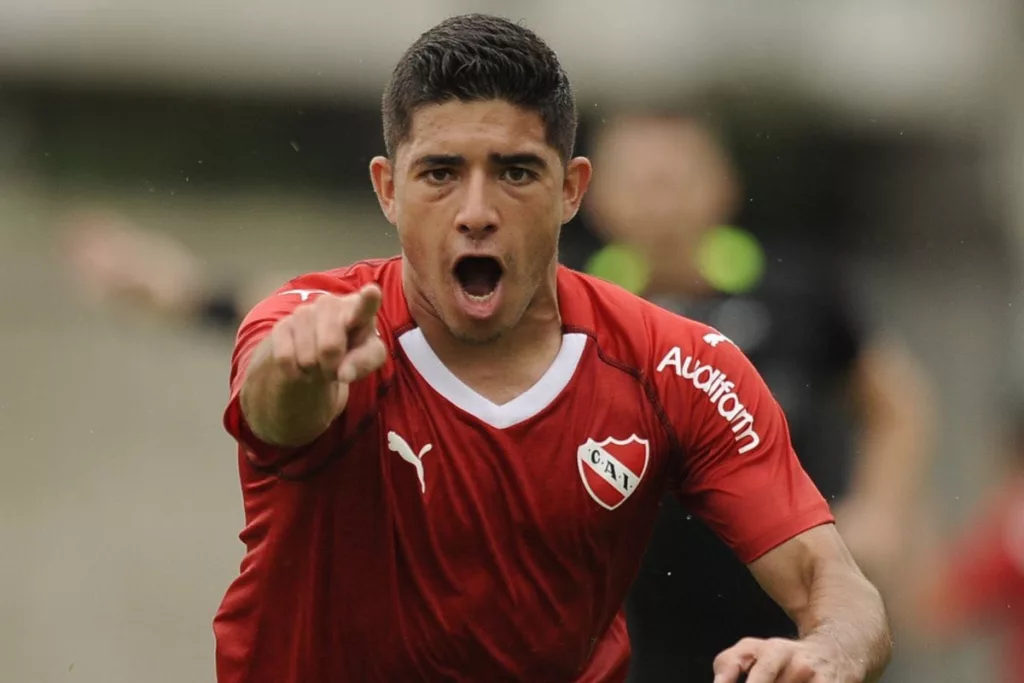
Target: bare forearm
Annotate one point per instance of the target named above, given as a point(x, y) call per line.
point(845, 613)
point(286, 408)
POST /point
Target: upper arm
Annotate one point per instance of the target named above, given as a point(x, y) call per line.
point(740, 473)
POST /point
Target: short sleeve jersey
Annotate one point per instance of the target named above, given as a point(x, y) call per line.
point(431, 534)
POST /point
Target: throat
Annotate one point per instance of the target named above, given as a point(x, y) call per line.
point(505, 367)
point(503, 371)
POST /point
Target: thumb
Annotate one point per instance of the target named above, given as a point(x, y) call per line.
point(362, 360)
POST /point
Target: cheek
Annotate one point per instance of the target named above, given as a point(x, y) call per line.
point(414, 247)
point(422, 247)
point(413, 226)
point(541, 240)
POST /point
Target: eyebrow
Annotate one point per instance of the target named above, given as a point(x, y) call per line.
point(520, 159)
point(440, 160)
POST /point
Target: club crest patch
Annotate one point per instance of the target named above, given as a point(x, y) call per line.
point(612, 469)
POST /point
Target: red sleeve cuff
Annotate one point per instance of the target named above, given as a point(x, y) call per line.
point(814, 516)
point(260, 453)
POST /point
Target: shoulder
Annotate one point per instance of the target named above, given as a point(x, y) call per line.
point(308, 287)
point(628, 329)
point(344, 280)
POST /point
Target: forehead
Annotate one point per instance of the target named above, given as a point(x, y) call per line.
point(475, 129)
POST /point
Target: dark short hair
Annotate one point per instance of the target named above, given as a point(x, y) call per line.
point(476, 57)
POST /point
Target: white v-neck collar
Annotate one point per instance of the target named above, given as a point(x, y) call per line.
point(523, 407)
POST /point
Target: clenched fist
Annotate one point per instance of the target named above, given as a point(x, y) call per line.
point(332, 338)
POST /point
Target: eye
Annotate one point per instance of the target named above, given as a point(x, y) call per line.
point(517, 175)
point(438, 175)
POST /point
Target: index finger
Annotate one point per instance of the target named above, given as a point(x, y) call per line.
point(732, 665)
point(732, 670)
point(730, 673)
point(769, 668)
point(367, 303)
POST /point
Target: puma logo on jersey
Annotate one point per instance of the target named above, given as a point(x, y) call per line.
point(304, 294)
point(399, 445)
point(716, 338)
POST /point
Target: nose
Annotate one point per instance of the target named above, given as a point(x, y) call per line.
point(478, 215)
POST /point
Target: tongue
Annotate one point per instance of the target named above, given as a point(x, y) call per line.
point(477, 282)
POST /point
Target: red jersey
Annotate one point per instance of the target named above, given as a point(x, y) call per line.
point(431, 534)
point(983, 584)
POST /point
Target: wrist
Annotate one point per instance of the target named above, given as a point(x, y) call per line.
point(850, 669)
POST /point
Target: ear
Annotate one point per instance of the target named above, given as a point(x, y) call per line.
point(577, 180)
point(382, 175)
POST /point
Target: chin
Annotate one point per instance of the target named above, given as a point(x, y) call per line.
point(477, 332)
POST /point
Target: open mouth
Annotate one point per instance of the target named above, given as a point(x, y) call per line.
point(478, 276)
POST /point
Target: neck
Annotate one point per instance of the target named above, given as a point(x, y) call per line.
point(502, 368)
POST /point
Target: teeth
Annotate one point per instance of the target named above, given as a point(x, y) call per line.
point(480, 299)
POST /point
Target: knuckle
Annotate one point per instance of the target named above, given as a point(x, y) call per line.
point(304, 310)
point(331, 345)
point(302, 317)
point(330, 309)
point(326, 302)
point(732, 654)
point(805, 670)
point(283, 357)
point(750, 644)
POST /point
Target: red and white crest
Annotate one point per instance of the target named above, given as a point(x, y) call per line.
point(612, 469)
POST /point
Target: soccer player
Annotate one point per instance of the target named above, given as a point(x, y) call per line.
point(452, 460)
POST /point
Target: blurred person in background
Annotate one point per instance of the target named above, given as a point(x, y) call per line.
point(974, 584)
point(115, 260)
point(858, 405)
